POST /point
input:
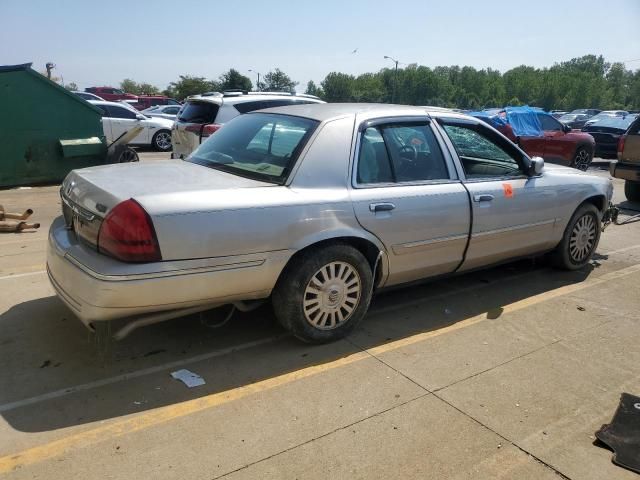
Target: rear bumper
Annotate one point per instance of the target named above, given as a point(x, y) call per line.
point(625, 171)
point(98, 292)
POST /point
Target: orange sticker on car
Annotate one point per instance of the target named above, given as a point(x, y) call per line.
point(508, 190)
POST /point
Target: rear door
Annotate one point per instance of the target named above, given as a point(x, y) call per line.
point(406, 192)
point(513, 214)
point(106, 123)
point(186, 133)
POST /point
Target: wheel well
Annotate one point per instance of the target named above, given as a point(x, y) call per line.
point(597, 201)
point(370, 251)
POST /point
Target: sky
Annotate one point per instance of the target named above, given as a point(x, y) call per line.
point(100, 43)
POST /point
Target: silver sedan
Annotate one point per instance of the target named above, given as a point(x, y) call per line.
point(314, 207)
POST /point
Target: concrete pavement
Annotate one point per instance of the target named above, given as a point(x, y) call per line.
point(503, 373)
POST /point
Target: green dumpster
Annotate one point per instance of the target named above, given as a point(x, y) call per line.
point(45, 130)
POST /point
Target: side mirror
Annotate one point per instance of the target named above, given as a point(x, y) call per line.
point(140, 117)
point(566, 128)
point(536, 166)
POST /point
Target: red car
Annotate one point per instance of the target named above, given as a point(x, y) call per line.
point(555, 142)
point(111, 94)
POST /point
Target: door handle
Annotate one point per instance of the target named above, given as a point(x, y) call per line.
point(381, 207)
point(483, 197)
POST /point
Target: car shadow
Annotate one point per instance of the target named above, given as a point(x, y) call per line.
point(44, 349)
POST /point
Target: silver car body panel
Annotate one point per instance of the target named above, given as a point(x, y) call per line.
point(226, 238)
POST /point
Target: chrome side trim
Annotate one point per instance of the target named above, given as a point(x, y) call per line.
point(513, 228)
point(168, 273)
point(413, 247)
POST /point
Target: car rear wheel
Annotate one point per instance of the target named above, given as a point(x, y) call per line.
point(324, 293)
point(128, 155)
point(582, 159)
point(162, 140)
point(632, 191)
point(580, 238)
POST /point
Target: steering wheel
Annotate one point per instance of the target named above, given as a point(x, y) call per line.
point(411, 150)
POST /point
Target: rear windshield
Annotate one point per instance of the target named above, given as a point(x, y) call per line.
point(621, 123)
point(246, 107)
point(260, 146)
point(199, 112)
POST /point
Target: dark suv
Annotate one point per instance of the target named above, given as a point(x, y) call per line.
point(202, 115)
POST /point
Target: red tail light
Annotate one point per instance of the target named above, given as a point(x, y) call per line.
point(193, 128)
point(621, 145)
point(127, 234)
point(210, 129)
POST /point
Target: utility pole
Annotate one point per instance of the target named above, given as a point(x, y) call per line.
point(395, 78)
point(257, 84)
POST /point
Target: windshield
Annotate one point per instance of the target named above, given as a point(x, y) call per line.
point(261, 146)
point(568, 118)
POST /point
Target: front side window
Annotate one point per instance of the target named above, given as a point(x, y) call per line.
point(260, 146)
point(549, 123)
point(482, 152)
point(120, 112)
point(400, 153)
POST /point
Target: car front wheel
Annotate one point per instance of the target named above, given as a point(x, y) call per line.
point(162, 140)
point(580, 238)
point(324, 293)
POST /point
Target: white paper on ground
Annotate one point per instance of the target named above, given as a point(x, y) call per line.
point(190, 379)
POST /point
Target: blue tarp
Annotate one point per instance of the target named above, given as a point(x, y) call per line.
point(524, 121)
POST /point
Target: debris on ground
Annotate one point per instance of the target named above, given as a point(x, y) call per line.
point(190, 379)
point(15, 222)
point(622, 435)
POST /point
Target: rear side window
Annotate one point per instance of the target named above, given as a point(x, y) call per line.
point(246, 107)
point(199, 112)
point(400, 153)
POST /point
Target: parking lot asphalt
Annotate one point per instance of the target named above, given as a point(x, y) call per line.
point(502, 373)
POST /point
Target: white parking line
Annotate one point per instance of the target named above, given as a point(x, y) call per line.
point(18, 275)
point(138, 373)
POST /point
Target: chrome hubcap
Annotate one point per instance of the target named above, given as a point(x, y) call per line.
point(332, 295)
point(163, 141)
point(583, 238)
point(582, 160)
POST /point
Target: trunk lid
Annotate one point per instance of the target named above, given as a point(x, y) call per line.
point(88, 194)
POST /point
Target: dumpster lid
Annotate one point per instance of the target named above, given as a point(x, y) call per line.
point(15, 68)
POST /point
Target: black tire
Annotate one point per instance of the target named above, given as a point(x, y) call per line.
point(160, 142)
point(632, 191)
point(303, 273)
point(128, 155)
point(582, 159)
point(577, 245)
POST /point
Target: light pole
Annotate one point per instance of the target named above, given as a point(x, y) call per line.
point(395, 78)
point(257, 84)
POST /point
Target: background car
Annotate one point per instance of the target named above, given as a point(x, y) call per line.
point(202, 115)
point(628, 165)
point(606, 133)
point(111, 94)
point(146, 101)
point(606, 114)
point(119, 118)
point(88, 96)
point(574, 120)
point(551, 140)
point(586, 111)
point(557, 113)
point(313, 207)
point(163, 111)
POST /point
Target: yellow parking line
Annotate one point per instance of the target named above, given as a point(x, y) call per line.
point(162, 415)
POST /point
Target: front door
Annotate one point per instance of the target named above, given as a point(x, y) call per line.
point(558, 146)
point(513, 214)
point(122, 120)
point(406, 193)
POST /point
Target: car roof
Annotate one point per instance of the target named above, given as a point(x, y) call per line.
point(232, 99)
point(328, 111)
point(105, 102)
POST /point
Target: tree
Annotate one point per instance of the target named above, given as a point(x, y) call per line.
point(130, 86)
point(188, 85)
point(313, 89)
point(71, 87)
point(338, 87)
point(233, 79)
point(278, 81)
